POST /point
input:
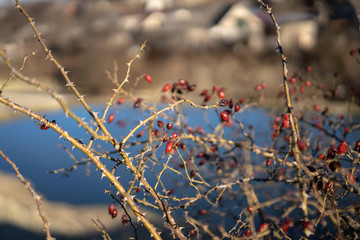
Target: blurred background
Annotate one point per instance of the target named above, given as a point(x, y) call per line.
point(208, 42)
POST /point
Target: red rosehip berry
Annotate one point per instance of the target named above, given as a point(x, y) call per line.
point(224, 116)
point(160, 124)
point(148, 78)
point(247, 233)
point(182, 82)
point(140, 134)
point(251, 209)
point(120, 101)
point(357, 146)
point(231, 103)
point(292, 80)
point(351, 178)
point(44, 127)
point(166, 87)
point(287, 223)
point(111, 208)
point(301, 145)
point(309, 228)
point(174, 135)
point(169, 125)
point(263, 227)
point(114, 213)
point(258, 87)
point(237, 107)
point(308, 83)
point(169, 147)
point(331, 152)
point(215, 88)
point(309, 69)
point(342, 147)
point(268, 162)
point(221, 93)
point(329, 186)
point(137, 103)
point(316, 108)
point(124, 219)
point(203, 211)
point(223, 102)
point(204, 92)
point(111, 118)
point(207, 98)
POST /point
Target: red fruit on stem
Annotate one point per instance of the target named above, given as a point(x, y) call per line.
point(263, 85)
point(120, 101)
point(316, 108)
point(140, 134)
point(148, 78)
point(224, 116)
point(160, 124)
point(124, 219)
point(292, 80)
point(114, 213)
point(351, 178)
point(302, 89)
point(357, 146)
point(308, 83)
point(331, 153)
point(137, 103)
point(221, 93)
point(342, 147)
point(169, 125)
point(111, 208)
point(215, 88)
point(204, 92)
point(174, 135)
point(287, 223)
point(182, 82)
point(223, 102)
point(329, 185)
point(309, 69)
point(268, 162)
point(247, 233)
point(207, 98)
point(301, 145)
point(251, 209)
point(111, 118)
point(258, 87)
point(231, 103)
point(44, 127)
point(203, 211)
point(169, 147)
point(237, 107)
point(309, 228)
point(263, 227)
point(166, 87)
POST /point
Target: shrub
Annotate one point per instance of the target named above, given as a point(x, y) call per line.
point(212, 178)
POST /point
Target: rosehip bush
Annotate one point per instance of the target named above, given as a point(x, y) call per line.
point(207, 169)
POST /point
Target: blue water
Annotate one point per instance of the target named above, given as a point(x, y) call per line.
point(36, 151)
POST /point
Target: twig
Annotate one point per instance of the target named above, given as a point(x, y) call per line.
point(36, 196)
